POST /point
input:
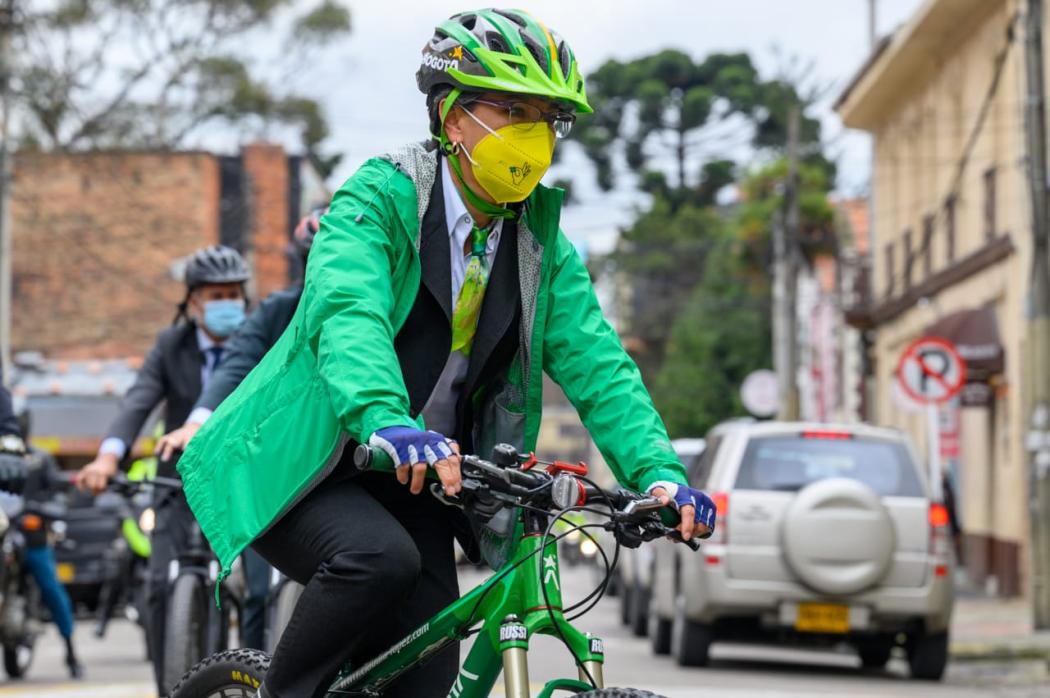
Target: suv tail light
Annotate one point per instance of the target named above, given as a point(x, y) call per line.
point(939, 532)
point(721, 534)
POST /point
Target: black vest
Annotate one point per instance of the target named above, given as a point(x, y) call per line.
point(425, 341)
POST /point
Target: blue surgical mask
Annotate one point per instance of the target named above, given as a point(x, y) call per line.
point(223, 318)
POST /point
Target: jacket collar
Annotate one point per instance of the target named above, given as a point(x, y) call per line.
point(434, 250)
point(418, 162)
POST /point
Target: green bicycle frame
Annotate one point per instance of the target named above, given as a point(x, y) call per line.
point(510, 609)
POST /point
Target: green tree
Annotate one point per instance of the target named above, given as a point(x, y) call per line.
point(659, 258)
point(153, 73)
point(724, 329)
point(721, 335)
point(657, 106)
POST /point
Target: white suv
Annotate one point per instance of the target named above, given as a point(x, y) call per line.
point(825, 534)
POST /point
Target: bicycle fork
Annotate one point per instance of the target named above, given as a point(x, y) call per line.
point(514, 647)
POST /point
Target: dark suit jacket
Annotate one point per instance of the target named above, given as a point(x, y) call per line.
point(424, 343)
point(170, 374)
point(8, 421)
point(247, 348)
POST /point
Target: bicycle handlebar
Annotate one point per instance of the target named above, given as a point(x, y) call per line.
point(629, 508)
point(120, 480)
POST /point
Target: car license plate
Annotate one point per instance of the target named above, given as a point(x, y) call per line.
point(66, 572)
point(822, 618)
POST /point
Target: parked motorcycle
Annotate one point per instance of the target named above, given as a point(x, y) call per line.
point(20, 614)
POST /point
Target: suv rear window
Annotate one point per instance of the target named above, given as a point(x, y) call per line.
point(789, 463)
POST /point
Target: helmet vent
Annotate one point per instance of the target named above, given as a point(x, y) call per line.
point(563, 59)
point(536, 51)
point(496, 43)
point(468, 21)
point(517, 19)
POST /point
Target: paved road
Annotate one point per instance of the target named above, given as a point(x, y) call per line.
point(116, 668)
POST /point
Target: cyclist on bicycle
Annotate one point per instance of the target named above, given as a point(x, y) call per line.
point(439, 290)
point(259, 332)
point(179, 364)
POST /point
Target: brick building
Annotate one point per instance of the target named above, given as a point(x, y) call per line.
point(97, 238)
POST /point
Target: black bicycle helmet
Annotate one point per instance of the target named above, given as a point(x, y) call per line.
point(217, 264)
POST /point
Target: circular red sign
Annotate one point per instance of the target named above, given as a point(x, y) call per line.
point(931, 370)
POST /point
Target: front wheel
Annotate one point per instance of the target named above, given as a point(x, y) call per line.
point(17, 659)
point(616, 693)
point(229, 674)
point(284, 606)
point(690, 641)
point(185, 627)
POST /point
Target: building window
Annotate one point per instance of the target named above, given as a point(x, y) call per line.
point(927, 246)
point(909, 259)
point(949, 229)
point(891, 269)
point(989, 204)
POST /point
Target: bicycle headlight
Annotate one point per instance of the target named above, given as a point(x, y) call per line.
point(564, 491)
point(147, 520)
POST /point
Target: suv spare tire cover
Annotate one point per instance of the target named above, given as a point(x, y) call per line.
point(838, 537)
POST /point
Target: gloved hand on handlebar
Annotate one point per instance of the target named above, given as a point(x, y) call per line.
point(413, 450)
point(696, 508)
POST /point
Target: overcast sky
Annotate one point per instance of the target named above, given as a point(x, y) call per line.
point(368, 83)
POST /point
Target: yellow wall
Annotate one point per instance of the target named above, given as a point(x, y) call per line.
point(921, 119)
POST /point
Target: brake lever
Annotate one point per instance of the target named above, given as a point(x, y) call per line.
point(676, 536)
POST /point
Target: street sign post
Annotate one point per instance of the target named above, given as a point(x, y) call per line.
point(760, 393)
point(932, 372)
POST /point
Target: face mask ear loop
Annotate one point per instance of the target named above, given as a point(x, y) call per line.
point(450, 149)
point(447, 146)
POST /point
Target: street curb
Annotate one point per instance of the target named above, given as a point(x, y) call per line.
point(990, 652)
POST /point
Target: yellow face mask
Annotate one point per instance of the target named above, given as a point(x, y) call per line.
point(509, 162)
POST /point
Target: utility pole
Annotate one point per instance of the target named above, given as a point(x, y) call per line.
point(873, 32)
point(785, 280)
point(1038, 317)
point(7, 26)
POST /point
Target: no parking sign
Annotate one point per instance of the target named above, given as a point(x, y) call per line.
point(931, 371)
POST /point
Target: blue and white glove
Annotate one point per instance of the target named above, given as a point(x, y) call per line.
point(681, 496)
point(408, 445)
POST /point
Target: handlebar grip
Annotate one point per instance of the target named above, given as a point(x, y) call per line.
point(368, 458)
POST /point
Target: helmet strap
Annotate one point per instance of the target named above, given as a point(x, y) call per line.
point(451, 150)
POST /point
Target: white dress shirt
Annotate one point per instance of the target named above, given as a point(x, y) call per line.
point(460, 223)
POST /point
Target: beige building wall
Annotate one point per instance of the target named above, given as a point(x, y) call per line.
point(920, 98)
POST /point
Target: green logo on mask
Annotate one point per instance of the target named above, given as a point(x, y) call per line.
point(518, 174)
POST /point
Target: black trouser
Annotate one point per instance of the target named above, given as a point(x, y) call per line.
point(253, 612)
point(170, 536)
point(376, 562)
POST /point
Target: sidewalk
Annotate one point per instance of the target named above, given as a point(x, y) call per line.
point(985, 629)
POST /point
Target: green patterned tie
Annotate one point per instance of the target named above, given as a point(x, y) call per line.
point(468, 307)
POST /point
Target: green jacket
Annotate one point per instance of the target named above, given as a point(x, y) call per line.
point(333, 375)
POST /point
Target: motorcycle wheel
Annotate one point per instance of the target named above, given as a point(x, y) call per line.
point(184, 630)
point(17, 659)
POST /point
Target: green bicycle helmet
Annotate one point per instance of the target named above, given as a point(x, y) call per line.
point(501, 51)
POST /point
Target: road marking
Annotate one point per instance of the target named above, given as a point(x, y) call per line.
point(84, 690)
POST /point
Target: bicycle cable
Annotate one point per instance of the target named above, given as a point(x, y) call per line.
point(547, 601)
point(492, 582)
